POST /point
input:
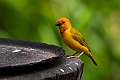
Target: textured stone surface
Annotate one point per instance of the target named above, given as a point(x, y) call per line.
point(22, 53)
point(62, 69)
point(24, 60)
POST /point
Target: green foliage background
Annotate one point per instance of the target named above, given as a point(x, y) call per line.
point(97, 20)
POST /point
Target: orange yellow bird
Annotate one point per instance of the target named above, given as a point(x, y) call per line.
point(74, 39)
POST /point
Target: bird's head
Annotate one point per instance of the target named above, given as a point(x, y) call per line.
point(63, 24)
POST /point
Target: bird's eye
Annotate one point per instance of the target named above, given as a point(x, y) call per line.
point(63, 22)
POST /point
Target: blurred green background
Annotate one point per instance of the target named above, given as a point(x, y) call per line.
point(97, 20)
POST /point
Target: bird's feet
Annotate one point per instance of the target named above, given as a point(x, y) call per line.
point(76, 56)
point(73, 57)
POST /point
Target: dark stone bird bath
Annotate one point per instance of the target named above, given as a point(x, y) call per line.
point(25, 60)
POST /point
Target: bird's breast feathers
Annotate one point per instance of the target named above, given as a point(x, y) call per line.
point(67, 37)
point(69, 41)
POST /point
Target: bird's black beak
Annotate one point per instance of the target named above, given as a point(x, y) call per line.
point(58, 24)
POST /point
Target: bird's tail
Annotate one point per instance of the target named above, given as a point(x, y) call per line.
point(91, 57)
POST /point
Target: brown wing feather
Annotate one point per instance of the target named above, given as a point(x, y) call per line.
point(78, 37)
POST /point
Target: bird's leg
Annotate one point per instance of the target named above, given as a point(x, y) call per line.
point(72, 56)
point(76, 56)
point(80, 54)
point(74, 53)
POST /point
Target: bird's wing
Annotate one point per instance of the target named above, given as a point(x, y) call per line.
point(78, 37)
